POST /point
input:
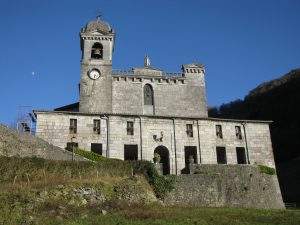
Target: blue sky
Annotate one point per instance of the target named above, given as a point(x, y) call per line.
point(241, 42)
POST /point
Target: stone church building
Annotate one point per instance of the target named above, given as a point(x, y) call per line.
point(135, 113)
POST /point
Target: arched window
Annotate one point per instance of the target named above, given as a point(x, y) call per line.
point(97, 51)
point(148, 94)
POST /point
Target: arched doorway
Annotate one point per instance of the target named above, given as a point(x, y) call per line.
point(164, 158)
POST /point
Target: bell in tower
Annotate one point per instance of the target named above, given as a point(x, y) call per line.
point(97, 41)
point(97, 51)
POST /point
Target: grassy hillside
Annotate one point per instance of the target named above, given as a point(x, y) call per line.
point(36, 188)
point(38, 191)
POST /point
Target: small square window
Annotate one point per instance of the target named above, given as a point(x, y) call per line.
point(130, 130)
point(219, 131)
point(96, 148)
point(73, 126)
point(189, 130)
point(97, 126)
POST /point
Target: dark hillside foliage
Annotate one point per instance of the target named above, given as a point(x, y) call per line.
point(277, 100)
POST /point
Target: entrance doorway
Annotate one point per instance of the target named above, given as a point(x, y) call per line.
point(164, 158)
point(190, 151)
point(241, 155)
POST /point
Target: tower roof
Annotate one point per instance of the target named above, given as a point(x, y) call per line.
point(97, 25)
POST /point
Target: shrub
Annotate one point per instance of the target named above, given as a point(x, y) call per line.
point(116, 166)
point(267, 170)
point(161, 184)
point(90, 155)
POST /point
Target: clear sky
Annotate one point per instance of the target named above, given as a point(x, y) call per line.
point(241, 42)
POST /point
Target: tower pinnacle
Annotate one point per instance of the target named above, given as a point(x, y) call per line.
point(147, 61)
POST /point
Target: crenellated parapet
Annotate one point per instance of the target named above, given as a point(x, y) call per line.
point(194, 68)
point(157, 80)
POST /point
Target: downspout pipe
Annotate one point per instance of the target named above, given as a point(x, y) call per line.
point(174, 136)
point(141, 138)
point(200, 159)
point(246, 142)
point(107, 134)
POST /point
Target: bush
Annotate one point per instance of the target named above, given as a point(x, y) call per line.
point(267, 170)
point(90, 155)
point(116, 166)
point(161, 184)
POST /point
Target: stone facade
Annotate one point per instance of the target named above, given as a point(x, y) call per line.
point(145, 110)
point(180, 95)
point(176, 94)
point(54, 127)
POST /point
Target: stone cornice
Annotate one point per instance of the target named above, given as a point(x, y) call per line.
point(151, 116)
point(99, 38)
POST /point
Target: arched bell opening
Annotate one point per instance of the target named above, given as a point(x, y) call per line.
point(97, 51)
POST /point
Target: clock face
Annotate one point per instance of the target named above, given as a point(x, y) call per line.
point(94, 74)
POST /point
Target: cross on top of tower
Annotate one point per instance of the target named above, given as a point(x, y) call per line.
point(147, 61)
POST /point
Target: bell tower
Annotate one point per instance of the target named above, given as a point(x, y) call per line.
point(97, 45)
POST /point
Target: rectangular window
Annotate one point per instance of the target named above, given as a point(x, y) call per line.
point(189, 130)
point(190, 153)
point(219, 131)
point(241, 155)
point(221, 155)
point(96, 148)
point(97, 126)
point(73, 126)
point(238, 132)
point(71, 146)
point(130, 152)
point(130, 128)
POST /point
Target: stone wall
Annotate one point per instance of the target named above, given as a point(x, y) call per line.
point(54, 128)
point(171, 133)
point(172, 97)
point(255, 137)
point(13, 143)
point(227, 186)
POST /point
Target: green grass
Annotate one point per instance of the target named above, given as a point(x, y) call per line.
point(161, 184)
point(156, 214)
point(91, 155)
point(21, 179)
point(267, 170)
point(15, 169)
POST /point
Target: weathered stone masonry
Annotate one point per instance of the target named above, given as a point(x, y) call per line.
point(54, 127)
point(135, 113)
